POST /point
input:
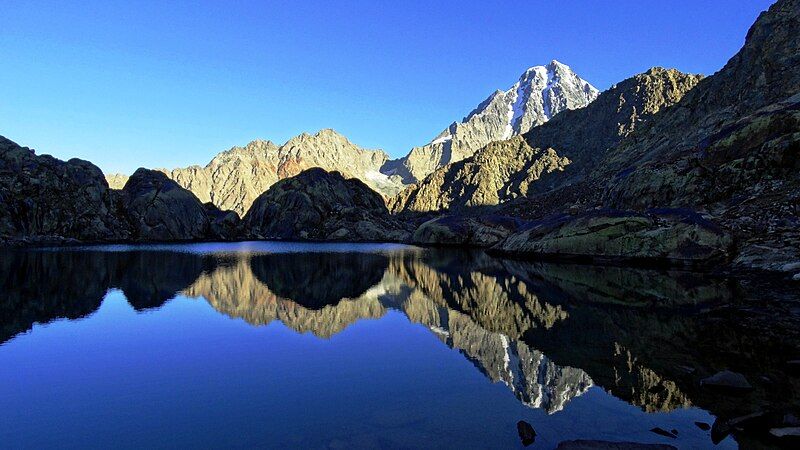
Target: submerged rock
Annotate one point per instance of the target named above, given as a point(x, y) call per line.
point(321, 205)
point(788, 432)
point(727, 380)
point(674, 236)
point(526, 433)
point(703, 426)
point(660, 431)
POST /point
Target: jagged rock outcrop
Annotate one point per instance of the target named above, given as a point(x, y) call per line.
point(321, 205)
point(44, 199)
point(540, 94)
point(234, 178)
point(673, 236)
point(553, 154)
point(158, 209)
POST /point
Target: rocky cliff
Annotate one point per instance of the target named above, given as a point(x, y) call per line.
point(540, 94)
point(730, 148)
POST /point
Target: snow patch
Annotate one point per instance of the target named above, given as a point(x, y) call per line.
point(376, 176)
point(442, 139)
point(440, 331)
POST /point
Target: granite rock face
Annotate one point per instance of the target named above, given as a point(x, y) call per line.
point(668, 236)
point(540, 94)
point(234, 178)
point(158, 209)
point(321, 205)
point(44, 199)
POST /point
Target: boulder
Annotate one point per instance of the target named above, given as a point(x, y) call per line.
point(787, 432)
point(483, 231)
point(526, 433)
point(321, 205)
point(158, 209)
point(727, 380)
point(676, 237)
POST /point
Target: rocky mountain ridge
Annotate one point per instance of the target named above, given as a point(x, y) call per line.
point(235, 177)
point(552, 154)
point(540, 93)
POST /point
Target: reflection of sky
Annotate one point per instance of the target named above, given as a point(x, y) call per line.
point(185, 374)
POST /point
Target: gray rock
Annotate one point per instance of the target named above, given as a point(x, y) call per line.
point(160, 210)
point(727, 380)
point(675, 237)
point(480, 231)
point(787, 432)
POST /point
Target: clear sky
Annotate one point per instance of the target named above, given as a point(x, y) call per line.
point(167, 83)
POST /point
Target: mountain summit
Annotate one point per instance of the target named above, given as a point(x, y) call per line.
point(540, 93)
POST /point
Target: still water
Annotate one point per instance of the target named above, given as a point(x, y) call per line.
point(365, 346)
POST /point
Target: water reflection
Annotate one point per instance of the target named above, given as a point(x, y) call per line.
point(548, 332)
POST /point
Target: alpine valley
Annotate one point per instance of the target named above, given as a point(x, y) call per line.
point(663, 167)
point(562, 268)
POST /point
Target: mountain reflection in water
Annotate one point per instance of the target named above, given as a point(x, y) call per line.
point(548, 332)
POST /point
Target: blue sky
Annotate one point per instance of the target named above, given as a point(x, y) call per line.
point(167, 84)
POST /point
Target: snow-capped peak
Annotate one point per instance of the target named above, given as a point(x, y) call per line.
point(540, 93)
